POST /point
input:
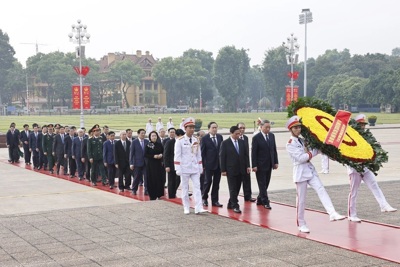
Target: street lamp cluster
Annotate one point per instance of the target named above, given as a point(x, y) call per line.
point(292, 57)
point(304, 18)
point(79, 36)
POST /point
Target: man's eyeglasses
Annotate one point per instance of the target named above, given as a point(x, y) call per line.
point(242, 127)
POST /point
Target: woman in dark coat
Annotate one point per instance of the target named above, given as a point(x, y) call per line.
point(154, 156)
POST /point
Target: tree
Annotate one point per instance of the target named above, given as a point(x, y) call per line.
point(15, 83)
point(207, 62)
point(383, 88)
point(231, 67)
point(125, 73)
point(255, 86)
point(182, 78)
point(347, 91)
point(275, 71)
point(6, 61)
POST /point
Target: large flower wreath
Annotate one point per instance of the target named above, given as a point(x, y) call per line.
point(359, 148)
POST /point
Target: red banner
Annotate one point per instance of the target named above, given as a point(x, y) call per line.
point(338, 129)
point(288, 94)
point(86, 97)
point(76, 97)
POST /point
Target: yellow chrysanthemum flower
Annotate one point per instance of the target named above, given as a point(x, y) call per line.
point(353, 146)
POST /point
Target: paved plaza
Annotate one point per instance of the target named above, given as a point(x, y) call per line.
point(53, 222)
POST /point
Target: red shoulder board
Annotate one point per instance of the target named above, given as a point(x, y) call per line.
point(290, 140)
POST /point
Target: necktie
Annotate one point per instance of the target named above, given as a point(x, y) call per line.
point(242, 138)
point(267, 138)
point(123, 143)
point(62, 138)
point(236, 146)
point(36, 135)
point(301, 142)
point(190, 140)
point(142, 144)
point(215, 141)
point(80, 139)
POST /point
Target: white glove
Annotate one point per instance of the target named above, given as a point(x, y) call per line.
point(178, 171)
point(314, 152)
point(200, 168)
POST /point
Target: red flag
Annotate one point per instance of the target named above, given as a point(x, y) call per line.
point(338, 129)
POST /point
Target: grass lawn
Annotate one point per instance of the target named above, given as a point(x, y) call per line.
point(134, 121)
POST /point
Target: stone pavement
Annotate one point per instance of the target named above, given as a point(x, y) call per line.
point(52, 222)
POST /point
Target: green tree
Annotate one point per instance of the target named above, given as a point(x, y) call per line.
point(126, 73)
point(15, 84)
point(383, 88)
point(231, 67)
point(347, 91)
point(275, 69)
point(207, 62)
point(6, 63)
point(255, 87)
point(182, 78)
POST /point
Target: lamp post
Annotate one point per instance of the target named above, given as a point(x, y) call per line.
point(79, 36)
point(304, 18)
point(292, 57)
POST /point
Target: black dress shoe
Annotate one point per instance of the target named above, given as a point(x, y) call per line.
point(237, 210)
point(205, 202)
point(80, 178)
point(121, 190)
point(94, 184)
point(217, 204)
point(267, 206)
point(111, 187)
point(51, 171)
point(229, 206)
point(104, 184)
point(133, 192)
point(146, 193)
point(259, 203)
point(39, 168)
point(251, 199)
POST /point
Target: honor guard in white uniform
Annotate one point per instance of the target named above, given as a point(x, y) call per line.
point(369, 179)
point(304, 174)
point(324, 164)
point(188, 165)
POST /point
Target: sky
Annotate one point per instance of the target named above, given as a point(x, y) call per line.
point(168, 28)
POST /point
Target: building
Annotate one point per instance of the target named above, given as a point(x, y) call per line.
point(150, 92)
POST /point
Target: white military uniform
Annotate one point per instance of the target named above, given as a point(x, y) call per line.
point(159, 126)
point(304, 174)
point(188, 165)
point(149, 127)
point(324, 164)
point(369, 179)
point(170, 125)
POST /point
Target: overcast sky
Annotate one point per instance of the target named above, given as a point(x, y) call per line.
point(169, 27)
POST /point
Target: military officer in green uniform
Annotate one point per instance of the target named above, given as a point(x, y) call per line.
point(47, 144)
point(95, 155)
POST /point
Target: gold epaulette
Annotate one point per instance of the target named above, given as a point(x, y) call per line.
point(180, 137)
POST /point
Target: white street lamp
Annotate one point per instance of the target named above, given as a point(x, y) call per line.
point(304, 18)
point(292, 57)
point(79, 36)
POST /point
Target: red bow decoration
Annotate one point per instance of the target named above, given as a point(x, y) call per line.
point(84, 70)
point(294, 75)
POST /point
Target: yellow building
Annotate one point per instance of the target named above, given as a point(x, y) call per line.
point(150, 92)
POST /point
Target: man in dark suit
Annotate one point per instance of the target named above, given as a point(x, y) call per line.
point(69, 161)
point(247, 178)
point(169, 149)
point(85, 158)
point(95, 155)
point(104, 134)
point(136, 161)
point(47, 144)
point(12, 140)
point(25, 134)
point(76, 153)
point(210, 145)
point(35, 143)
point(235, 164)
point(43, 159)
point(121, 157)
point(58, 150)
point(108, 158)
point(264, 159)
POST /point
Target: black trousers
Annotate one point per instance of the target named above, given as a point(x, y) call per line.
point(27, 153)
point(247, 187)
point(61, 162)
point(172, 184)
point(139, 173)
point(263, 179)
point(96, 168)
point(124, 174)
point(80, 167)
point(213, 177)
point(72, 166)
point(43, 162)
point(36, 158)
point(234, 184)
point(13, 153)
point(111, 173)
